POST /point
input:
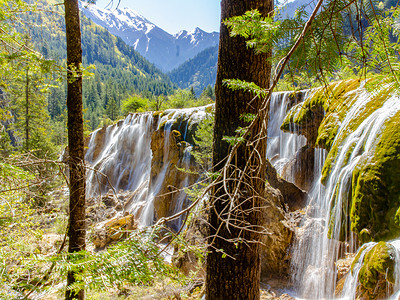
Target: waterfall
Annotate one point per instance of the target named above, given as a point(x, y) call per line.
point(325, 224)
point(282, 146)
point(123, 152)
point(120, 158)
point(182, 197)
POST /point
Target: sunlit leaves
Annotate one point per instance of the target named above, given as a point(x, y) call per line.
point(325, 50)
point(237, 84)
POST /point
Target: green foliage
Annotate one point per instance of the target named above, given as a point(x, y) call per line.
point(186, 98)
point(31, 124)
point(112, 110)
point(251, 87)
point(17, 227)
point(203, 139)
point(135, 261)
point(23, 84)
point(325, 52)
point(208, 93)
point(120, 71)
point(180, 99)
point(134, 103)
point(156, 103)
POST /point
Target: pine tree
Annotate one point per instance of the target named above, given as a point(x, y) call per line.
point(112, 109)
point(235, 218)
point(77, 228)
point(31, 124)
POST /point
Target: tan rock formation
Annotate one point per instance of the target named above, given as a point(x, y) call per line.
point(168, 175)
point(294, 197)
point(99, 140)
point(276, 241)
point(113, 230)
point(301, 168)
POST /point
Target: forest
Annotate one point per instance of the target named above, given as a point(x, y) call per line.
point(281, 181)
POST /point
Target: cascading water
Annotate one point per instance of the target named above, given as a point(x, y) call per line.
point(282, 146)
point(120, 157)
point(182, 197)
point(314, 254)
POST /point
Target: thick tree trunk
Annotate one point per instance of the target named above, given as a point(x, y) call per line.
point(233, 260)
point(77, 228)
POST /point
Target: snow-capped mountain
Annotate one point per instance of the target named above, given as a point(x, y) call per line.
point(166, 51)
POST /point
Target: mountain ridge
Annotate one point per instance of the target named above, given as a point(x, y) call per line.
point(167, 51)
point(197, 72)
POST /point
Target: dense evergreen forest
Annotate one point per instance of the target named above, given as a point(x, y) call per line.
point(198, 72)
point(119, 70)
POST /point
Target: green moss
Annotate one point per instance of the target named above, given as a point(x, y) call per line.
point(376, 188)
point(177, 134)
point(210, 109)
point(328, 136)
point(333, 100)
point(157, 114)
point(355, 260)
point(374, 201)
point(162, 125)
point(378, 260)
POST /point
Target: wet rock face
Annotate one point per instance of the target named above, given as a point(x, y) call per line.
point(328, 120)
point(292, 196)
point(375, 211)
point(377, 273)
point(308, 126)
point(99, 140)
point(301, 168)
point(378, 260)
point(274, 253)
point(168, 176)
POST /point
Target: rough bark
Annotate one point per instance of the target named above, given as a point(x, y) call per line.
point(233, 260)
point(27, 111)
point(77, 229)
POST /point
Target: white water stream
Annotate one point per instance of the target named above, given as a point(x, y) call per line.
point(282, 146)
point(314, 254)
point(120, 157)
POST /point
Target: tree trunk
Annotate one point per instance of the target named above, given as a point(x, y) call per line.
point(77, 228)
point(27, 111)
point(233, 260)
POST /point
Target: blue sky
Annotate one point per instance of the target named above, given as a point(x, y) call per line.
point(175, 15)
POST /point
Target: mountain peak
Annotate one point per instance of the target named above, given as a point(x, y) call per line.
point(197, 30)
point(161, 48)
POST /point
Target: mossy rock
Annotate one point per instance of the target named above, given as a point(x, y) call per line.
point(357, 257)
point(157, 114)
point(329, 137)
point(375, 211)
point(372, 209)
point(333, 101)
point(378, 261)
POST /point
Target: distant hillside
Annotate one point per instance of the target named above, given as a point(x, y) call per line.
point(198, 72)
point(119, 69)
point(165, 50)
